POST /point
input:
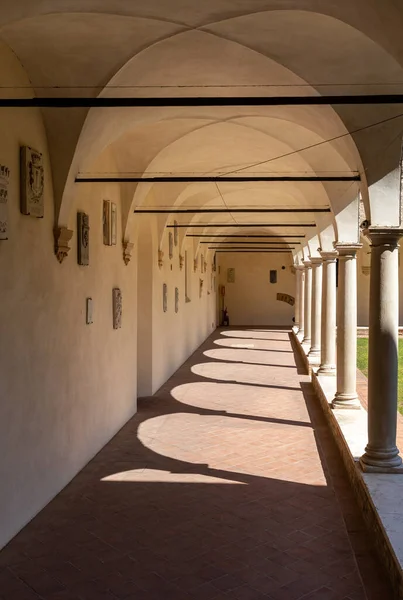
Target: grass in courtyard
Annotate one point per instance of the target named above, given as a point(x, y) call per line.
point(362, 364)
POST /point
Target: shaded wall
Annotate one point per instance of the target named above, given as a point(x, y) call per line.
point(252, 299)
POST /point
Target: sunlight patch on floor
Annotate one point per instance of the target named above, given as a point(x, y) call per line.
point(158, 476)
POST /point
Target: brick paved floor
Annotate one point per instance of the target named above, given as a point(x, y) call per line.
point(225, 485)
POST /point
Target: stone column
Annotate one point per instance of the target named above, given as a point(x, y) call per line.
point(297, 296)
point(381, 453)
point(316, 312)
point(346, 395)
point(301, 296)
point(307, 302)
point(328, 325)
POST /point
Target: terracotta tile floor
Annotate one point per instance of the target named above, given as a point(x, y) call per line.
point(225, 485)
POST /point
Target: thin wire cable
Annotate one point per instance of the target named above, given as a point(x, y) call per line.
point(225, 204)
point(316, 145)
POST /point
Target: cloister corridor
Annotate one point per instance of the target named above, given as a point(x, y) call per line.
point(225, 485)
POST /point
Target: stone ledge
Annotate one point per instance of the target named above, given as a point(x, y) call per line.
point(379, 495)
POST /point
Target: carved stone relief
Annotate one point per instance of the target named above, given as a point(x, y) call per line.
point(83, 239)
point(62, 240)
point(109, 223)
point(127, 251)
point(176, 299)
point(117, 308)
point(4, 179)
point(165, 297)
point(32, 182)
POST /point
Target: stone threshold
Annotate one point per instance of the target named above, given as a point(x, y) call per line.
point(379, 495)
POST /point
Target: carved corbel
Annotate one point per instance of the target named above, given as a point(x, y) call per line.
point(127, 251)
point(62, 239)
point(195, 262)
point(205, 267)
point(160, 258)
point(181, 261)
point(200, 287)
point(366, 269)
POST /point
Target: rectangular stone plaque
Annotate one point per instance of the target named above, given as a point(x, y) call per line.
point(117, 308)
point(114, 222)
point(4, 179)
point(231, 275)
point(165, 297)
point(32, 182)
point(88, 307)
point(83, 235)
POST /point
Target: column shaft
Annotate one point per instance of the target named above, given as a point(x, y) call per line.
point(307, 303)
point(316, 312)
point(328, 324)
point(346, 395)
point(302, 303)
point(381, 453)
point(297, 296)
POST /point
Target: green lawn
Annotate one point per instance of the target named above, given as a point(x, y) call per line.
point(362, 364)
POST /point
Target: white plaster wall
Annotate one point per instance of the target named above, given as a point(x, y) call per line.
point(177, 335)
point(67, 387)
point(251, 300)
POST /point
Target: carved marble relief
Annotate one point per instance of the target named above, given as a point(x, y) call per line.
point(176, 299)
point(32, 182)
point(171, 245)
point(62, 242)
point(117, 308)
point(109, 223)
point(83, 239)
point(231, 275)
point(4, 179)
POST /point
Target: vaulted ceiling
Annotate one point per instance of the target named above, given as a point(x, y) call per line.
point(220, 48)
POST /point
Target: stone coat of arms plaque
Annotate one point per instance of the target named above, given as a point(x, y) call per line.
point(117, 308)
point(32, 182)
point(4, 178)
point(83, 239)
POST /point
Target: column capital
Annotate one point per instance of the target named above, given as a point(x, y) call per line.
point(347, 249)
point(329, 256)
point(316, 260)
point(383, 236)
point(299, 267)
point(307, 264)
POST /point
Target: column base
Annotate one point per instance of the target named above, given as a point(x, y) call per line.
point(306, 341)
point(346, 401)
point(313, 358)
point(378, 461)
point(327, 370)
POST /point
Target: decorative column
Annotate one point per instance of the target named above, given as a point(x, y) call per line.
point(381, 454)
point(314, 352)
point(300, 293)
point(297, 296)
point(346, 395)
point(328, 325)
point(307, 302)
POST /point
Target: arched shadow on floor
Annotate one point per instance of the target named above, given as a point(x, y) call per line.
point(138, 522)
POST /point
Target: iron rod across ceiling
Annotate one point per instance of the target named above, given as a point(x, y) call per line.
point(218, 178)
point(207, 211)
point(235, 225)
point(261, 243)
point(251, 248)
point(116, 102)
point(212, 236)
point(246, 250)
